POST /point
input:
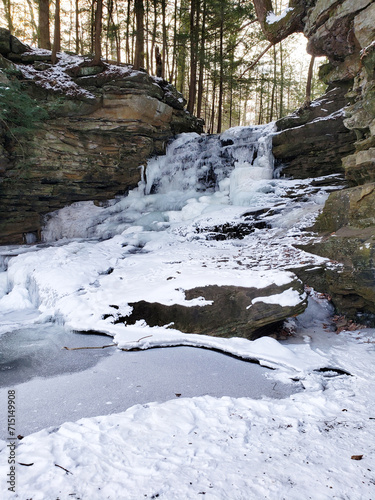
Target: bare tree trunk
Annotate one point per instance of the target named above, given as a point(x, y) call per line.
point(32, 21)
point(281, 104)
point(201, 60)
point(77, 26)
point(172, 73)
point(221, 81)
point(44, 35)
point(127, 41)
point(147, 30)
point(260, 116)
point(274, 83)
point(159, 62)
point(139, 55)
point(57, 33)
point(8, 15)
point(309, 80)
point(165, 46)
point(98, 32)
point(193, 57)
point(213, 107)
point(92, 26)
point(109, 31)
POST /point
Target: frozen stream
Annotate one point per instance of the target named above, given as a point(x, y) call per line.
point(54, 385)
point(162, 239)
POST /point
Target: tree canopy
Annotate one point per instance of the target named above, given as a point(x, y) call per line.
point(228, 57)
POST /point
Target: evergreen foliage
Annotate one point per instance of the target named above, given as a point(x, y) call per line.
point(19, 113)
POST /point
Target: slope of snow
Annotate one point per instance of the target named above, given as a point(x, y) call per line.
point(97, 260)
point(317, 444)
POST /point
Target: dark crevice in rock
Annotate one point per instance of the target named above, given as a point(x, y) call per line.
point(333, 371)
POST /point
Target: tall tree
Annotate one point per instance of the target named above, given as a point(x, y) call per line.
point(221, 72)
point(139, 55)
point(33, 24)
point(202, 49)
point(44, 41)
point(309, 81)
point(57, 33)
point(8, 15)
point(165, 43)
point(77, 25)
point(194, 29)
point(98, 32)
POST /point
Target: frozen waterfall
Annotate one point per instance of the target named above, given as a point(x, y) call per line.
point(202, 163)
point(196, 173)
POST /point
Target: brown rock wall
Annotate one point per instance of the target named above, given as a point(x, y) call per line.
point(104, 124)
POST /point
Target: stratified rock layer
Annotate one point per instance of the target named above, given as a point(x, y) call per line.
point(309, 143)
point(104, 123)
point(348, 227)
point(313, 141)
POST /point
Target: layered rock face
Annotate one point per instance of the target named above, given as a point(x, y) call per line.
point(348, 222)
point(344, 31)
point(103, 123)
point(314, 140)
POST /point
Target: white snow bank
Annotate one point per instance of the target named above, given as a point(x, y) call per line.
point(218, 448)
point(287, 298)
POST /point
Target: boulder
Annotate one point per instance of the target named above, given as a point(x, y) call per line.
point(4, 41)
point(347, 225)
point(9, 44)
point(233, 311)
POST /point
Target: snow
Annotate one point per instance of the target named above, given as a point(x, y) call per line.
point(153, 245)
point(288, 297)
point(55, 77)
point(222, 447)
point(273, 18)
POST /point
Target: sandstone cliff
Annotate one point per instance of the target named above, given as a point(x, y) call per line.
point(102, 123)
point(310, 143)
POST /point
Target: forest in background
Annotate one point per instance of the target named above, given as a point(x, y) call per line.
point(213, 51)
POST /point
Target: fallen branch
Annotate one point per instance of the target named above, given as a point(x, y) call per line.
point(254, 63)
point(104, 346)
point(66, 470)
point(96, 347)
point(131, 341)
